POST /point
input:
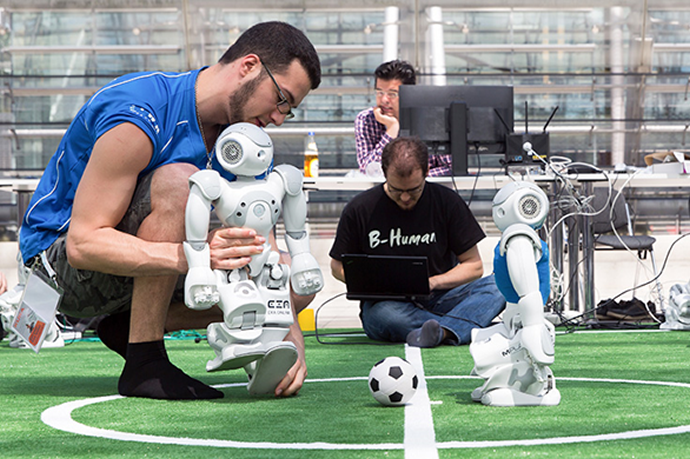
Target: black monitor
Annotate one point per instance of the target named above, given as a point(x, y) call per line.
point(458, 120)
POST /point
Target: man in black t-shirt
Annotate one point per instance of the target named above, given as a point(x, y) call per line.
point(408, 216)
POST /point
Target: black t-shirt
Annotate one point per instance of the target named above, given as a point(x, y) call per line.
point(440, 227)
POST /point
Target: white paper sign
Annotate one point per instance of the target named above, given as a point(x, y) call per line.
point(36, 311)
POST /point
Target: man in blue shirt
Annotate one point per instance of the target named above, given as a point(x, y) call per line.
point(108, 214)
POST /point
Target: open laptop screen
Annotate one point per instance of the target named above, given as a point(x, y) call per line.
point(386, 277)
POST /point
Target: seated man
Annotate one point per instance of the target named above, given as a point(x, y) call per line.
point(385, 219)
point(376, 126)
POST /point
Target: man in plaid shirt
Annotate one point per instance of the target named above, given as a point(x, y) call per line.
point(375, 127)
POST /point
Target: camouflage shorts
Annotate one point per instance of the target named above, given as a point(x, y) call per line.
point(92, 293)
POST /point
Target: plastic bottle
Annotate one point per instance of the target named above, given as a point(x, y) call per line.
point(311, 157)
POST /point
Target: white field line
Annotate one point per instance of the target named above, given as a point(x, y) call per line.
point(60, 417)
point(420, 437)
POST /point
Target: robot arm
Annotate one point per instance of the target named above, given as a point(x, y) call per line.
point(521, 256)
point(200, 283)
point(518, 209)
point(306, 277)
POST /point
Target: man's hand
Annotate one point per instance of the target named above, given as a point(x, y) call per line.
point(391, 122)
point(232, 248)
point(294, 379)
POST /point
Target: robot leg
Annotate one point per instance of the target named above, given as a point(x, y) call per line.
point(266, 373)
point(521, 387)
point(236, 340)
point(511, 377)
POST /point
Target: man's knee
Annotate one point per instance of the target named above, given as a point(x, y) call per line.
point(168, 195)
point(486, 286)
point(385, 315)
point(301, 302)
point(170, 186)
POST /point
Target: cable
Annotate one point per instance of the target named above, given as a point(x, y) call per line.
point(476, 177)
point(344, 334)
point(663, 267)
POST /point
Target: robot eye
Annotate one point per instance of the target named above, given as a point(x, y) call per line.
point(529, 207)
point(231, 152)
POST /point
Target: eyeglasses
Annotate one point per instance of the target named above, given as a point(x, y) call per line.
point(411, 191)
point(391, 95)
point(283, 102)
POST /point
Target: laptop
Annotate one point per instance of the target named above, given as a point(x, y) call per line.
point(386, 277)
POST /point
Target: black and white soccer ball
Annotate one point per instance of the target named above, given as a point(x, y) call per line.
point(393, 381)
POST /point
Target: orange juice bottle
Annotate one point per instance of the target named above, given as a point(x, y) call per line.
point(311, 157)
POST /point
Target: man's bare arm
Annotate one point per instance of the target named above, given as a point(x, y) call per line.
point(337, 270)
point(469, 268)
point(103, 196)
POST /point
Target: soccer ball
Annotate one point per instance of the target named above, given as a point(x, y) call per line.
point(393, 381)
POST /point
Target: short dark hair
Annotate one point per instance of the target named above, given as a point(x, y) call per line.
point(396, 70)
point(278, 44)
point(405, 155)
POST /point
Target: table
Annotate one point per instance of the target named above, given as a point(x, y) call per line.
point(579, 228)
point(24, 188)
point(587, 183)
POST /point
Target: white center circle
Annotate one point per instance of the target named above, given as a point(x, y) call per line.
point(60, 417)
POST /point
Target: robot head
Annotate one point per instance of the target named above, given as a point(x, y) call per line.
point(520, 202)
point(244, 149)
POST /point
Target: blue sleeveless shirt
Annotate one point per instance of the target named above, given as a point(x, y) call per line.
point(161, 104)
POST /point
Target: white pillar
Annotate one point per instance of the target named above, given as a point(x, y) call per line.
point(390, 33)
point(617, 92)
point(435, 45)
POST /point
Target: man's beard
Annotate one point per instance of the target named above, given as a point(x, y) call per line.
point(239, 99)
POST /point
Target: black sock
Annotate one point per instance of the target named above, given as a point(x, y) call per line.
point(148, 373)
point(113, 331)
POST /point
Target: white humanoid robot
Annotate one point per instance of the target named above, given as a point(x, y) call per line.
point(255, 300)
point(514, 356)
point(677, 310)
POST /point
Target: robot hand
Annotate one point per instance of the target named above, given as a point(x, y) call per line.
point(306, 278)
point(200, 290)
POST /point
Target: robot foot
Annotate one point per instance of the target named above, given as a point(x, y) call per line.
point(674, 325)
point(265, 374)
point(510, 397)
point(477, 394)
point(235, 356)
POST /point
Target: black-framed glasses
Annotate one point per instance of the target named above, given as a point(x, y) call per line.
point(411, 191)
point(283, 102)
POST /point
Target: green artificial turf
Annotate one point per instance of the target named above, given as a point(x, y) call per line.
point(343, 412)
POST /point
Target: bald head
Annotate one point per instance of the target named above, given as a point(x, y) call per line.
point(404, 155)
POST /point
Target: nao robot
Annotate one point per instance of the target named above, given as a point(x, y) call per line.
point(514, 356)
point(255, 300)
point(677, 310)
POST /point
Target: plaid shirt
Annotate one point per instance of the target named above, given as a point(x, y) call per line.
point(371, 138)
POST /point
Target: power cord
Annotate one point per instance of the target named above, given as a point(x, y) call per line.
point(663, 267)
point(343, 334)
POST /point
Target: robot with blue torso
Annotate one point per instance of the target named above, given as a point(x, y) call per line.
point(514, 356)
point(255, 300)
